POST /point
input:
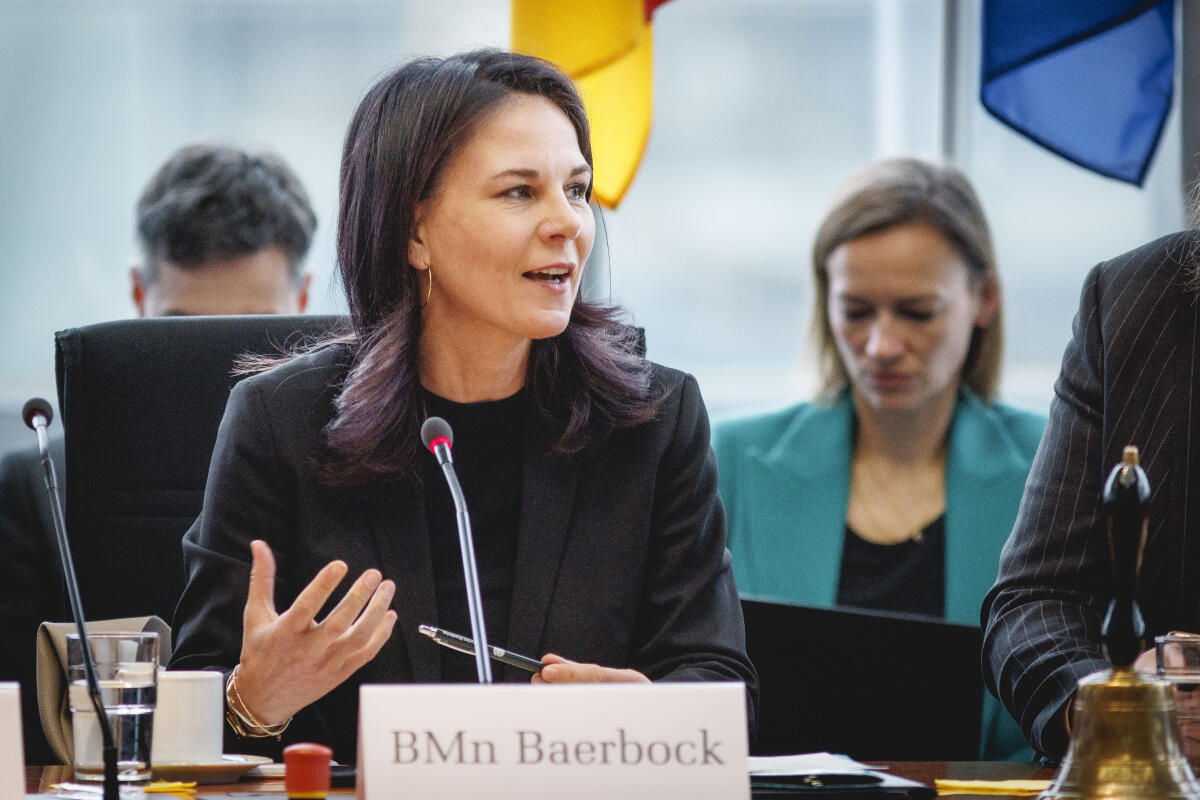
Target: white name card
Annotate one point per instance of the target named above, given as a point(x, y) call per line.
point(12, 748)
point(582, 741)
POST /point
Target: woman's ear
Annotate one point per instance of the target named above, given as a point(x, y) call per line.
point(418, 252)
point(989, 300)
point(417, 255)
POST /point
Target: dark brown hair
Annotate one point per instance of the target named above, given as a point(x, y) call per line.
point(213, 202)
point(896, 192)
point(405, 131)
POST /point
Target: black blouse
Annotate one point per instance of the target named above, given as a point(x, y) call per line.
point(909, 576)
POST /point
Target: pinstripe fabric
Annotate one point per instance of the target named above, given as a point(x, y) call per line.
point(1128, 377)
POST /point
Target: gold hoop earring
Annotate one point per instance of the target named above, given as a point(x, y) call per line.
point(429, 291)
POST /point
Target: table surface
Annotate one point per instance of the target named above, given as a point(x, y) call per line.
point(39, 779)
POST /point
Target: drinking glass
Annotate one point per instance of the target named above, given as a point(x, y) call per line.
point(126, 670)
point(1178, 656)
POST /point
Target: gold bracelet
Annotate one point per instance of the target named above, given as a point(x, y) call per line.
point(242, 720)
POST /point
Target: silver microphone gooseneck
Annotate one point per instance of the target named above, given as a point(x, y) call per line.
point(37, 414)
point(437, 436)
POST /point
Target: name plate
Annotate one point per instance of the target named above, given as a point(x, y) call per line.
point(519, 741)
point(12, 748)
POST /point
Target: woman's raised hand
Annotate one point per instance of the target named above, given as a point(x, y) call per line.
point(559, 670)
point(290, 660)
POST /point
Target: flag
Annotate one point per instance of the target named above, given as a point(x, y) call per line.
point(607, 48)
point(1087, 79)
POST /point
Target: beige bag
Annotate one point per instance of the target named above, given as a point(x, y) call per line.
point(52, 671)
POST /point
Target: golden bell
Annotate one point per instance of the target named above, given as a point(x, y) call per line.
point(1124, 741)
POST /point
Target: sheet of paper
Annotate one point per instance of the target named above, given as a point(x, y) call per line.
point(805, 764)
point(265, 771)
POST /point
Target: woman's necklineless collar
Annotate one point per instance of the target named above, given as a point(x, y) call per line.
point(437, 399)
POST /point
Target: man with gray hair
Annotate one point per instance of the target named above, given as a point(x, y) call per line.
point(221, 231)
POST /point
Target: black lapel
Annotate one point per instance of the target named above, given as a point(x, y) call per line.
point(548, 491)
point(396, 516)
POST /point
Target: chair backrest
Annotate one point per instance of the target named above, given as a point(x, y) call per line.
point(872, 685)
point(141, 402)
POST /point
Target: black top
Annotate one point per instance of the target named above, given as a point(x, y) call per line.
point(909, 576)
point(488, 452)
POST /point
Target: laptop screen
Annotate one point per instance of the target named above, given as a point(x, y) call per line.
point(872, 685)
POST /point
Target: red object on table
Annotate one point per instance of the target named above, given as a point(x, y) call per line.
point(306, 770)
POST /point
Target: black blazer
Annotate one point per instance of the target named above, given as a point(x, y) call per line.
point(1131, 375)
point(32, 589)
point(621, 555)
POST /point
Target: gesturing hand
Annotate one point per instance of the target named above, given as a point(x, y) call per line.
point(560, 670)
point(290, 660)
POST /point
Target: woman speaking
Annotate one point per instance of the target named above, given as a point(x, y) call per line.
point(463, 230)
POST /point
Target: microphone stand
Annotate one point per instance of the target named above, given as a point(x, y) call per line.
point(37, 415)
point(483, 667)
point(436, 434)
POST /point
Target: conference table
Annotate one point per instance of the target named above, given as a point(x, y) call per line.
point(40, 779)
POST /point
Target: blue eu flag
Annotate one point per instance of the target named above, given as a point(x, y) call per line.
point(1087, 79)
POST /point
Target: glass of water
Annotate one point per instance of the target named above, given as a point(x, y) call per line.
point(1178, 656)
point(127, 670)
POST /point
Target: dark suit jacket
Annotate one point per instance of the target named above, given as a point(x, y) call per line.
point(1131, 375)
point(621, 555)
point(31, 583)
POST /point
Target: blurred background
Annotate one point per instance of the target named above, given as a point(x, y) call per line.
point(761, 108)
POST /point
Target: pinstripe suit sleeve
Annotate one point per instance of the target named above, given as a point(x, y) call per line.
point(1041, 624)
point(1117, 386)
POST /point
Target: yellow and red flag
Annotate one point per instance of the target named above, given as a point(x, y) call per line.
point(607, 48)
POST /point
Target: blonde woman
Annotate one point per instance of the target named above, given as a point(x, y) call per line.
point(896, 489)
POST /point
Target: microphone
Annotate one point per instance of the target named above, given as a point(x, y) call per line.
point(437, 436)
point(38, 414)
point(34, 407)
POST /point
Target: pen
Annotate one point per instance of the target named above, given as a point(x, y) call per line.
point(463, 644)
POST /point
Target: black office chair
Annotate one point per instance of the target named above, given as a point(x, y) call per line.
point(141, 402)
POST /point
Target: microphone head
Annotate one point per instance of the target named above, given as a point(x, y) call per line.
point(35, 406)
point(434, 429)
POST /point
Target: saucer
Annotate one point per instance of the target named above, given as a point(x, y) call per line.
point(227, 770)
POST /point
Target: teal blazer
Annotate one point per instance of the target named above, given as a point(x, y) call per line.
point(784, 480)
